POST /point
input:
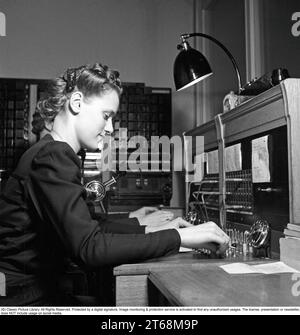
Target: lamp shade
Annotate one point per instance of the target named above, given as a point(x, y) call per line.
point(190, 67)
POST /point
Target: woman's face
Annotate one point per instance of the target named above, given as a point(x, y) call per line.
point(95, 119)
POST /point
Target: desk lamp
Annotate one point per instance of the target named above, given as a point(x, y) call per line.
point(191, 66)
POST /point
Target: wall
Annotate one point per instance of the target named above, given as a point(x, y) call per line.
point(225, 21)
point(227, 25)
point(137, 37)
point(282, 49)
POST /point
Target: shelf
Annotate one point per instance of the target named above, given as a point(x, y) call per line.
point(263, 112)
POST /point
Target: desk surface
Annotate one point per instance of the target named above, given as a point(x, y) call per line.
point(131, 280)
point(184, 259)
point(212, 286)
point(189, 279)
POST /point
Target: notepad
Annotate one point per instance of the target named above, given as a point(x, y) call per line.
point(267, 268)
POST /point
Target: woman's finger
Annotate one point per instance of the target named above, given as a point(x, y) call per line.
point(183, 223)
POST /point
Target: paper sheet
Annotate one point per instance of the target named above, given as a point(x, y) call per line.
point(183, 249)
point(212, 161)
point(260, 160)
point(233, 159)
point(267, 268)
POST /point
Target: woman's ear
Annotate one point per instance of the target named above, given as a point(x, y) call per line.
point(76, 102)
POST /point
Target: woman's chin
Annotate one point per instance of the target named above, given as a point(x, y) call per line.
point(92, 147)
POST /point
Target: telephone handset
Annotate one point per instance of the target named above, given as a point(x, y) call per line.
point(265, 82)
point(96, 190)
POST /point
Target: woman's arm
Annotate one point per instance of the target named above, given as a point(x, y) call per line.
point(55, 189)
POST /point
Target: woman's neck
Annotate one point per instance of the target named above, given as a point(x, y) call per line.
point(64, 132)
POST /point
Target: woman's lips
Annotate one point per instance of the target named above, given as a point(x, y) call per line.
point(100, 142)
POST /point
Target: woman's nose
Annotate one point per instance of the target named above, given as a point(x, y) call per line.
point(109, 129)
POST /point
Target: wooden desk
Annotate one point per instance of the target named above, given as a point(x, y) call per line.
point(212, 286)
point(131, 280)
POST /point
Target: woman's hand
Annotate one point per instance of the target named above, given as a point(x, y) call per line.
point(206, 235)
point(142, 212)
point(156, 219)
point(173, 224)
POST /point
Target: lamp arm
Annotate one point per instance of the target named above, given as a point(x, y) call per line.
point(185, 36)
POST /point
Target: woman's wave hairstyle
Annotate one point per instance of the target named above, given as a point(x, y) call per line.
point(91, 80)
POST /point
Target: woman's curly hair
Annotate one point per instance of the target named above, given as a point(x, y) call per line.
point(91, 80)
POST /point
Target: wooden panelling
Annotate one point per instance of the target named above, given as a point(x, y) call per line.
point(131, 290)
point(291, 97)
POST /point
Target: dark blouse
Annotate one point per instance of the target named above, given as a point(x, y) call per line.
point(44, 219)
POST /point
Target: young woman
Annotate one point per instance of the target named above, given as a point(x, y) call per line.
point(44, 218)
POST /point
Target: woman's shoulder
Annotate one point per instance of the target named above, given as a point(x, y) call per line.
point(55, 158)
point(47, 151)
point(55, 150)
